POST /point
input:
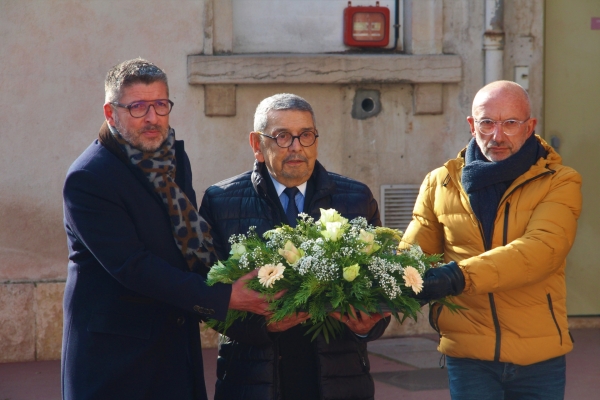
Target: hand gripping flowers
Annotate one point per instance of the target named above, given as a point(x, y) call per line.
point(324, 266)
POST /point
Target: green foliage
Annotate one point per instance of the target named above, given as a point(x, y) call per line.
point(316, 255)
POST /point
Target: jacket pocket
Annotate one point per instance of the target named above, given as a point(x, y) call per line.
point(549, 297)
point(120, 324)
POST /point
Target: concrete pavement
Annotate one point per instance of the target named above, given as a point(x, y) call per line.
point(403, 368)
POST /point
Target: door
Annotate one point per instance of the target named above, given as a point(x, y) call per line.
point(572, 117)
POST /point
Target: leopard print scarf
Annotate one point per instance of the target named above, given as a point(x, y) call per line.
point(190, 230)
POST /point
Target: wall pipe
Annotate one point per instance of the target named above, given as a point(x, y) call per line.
point(493, 40)
point(397, 25)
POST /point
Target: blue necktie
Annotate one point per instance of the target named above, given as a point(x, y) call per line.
point(292, 210)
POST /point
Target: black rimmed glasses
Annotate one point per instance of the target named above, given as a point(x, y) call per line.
point(138, 109)
point(285, 139)
point(510, 127)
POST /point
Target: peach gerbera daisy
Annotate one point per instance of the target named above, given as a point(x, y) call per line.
point(413, 279)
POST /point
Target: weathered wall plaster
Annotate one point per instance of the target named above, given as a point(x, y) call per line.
point(54, 57)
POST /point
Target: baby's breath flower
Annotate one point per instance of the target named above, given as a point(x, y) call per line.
point(359, 223)
point(382, 271)
point(237, 239)
point(272, 233)
point(348, 252)
point(306, 218)
point(244, 263)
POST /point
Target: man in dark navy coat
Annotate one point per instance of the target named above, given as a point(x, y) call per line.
point(139, 253)
point(277, 361)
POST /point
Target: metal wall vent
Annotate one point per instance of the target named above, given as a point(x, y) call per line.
point(397, 203)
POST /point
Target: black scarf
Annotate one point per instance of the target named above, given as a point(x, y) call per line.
point(485, 182)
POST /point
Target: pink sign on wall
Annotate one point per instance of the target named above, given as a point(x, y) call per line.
point(596, 23)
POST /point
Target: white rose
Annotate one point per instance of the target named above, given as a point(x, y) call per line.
point(369, 239)
point(237, 251)
point(331, 215)
point(351, 272)
point(333, 231)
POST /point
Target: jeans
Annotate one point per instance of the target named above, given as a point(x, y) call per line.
point(490, 380)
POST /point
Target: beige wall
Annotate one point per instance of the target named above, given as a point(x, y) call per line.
point(572, 116)
point(53, 59)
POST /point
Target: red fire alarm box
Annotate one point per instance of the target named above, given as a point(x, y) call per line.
point(366, 26)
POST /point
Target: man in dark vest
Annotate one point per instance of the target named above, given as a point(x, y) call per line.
point(264, 361)
point(138, 253)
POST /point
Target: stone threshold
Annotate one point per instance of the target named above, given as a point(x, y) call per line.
point(584, 322)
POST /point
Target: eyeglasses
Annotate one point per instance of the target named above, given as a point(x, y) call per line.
point(285, 139)
point(138, 109)
point(510, 127)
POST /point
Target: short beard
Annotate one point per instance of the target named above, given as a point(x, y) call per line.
point(134, 138)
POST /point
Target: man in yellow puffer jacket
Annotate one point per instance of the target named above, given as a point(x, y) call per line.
point(504, 214)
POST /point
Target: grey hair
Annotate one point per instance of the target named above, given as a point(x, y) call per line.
point(279, 102)
point(129, 73)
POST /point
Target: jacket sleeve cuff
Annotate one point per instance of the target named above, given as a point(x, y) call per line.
point(467, 276)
